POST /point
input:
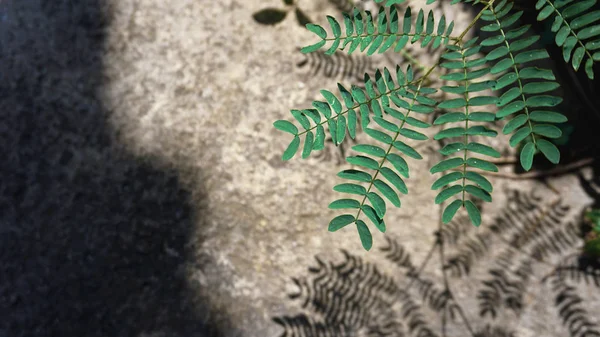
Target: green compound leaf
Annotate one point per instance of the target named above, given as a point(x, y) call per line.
point(291, 149)
point(527, 154)
point(447, 193)
point(473, 212)
point(344, 204)
point(450, 211)
point(340, 221)
point(366, 239)
point(350, 189)
point(549, 150)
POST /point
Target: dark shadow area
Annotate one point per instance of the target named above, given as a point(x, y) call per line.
point(92, 240)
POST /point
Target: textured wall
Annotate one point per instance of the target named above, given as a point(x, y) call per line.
point(143, 193)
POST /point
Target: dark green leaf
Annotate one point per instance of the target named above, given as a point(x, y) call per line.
point(355, 175)
point(340, 221)
point(286, 127)
point(447, 179)
point(549, 150)
point(450, 211)
point(350, 188)
point(378, 203)
point(478, 193)
point(447, 193)
point(363, 161)
point(308, 145)
point(344, 204)
point(483, 149)
point(447, 165)
point(482, 164)
point(366, 238)
point(394, 179)
point(473, 212)
point(479, 180)
point(387, 191)
point(527, 154)
point(291, 149)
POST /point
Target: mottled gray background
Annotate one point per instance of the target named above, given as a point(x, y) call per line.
point(142, 191)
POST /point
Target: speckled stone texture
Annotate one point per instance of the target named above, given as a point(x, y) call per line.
point(143, 192)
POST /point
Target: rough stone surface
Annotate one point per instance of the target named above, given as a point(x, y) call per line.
point(143, 192)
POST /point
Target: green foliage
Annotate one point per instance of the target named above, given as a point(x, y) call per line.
point(577, 30)
point(508, 79)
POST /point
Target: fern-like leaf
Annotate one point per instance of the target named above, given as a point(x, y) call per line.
point(464, 68)
point(405, 96)
point(361, 30)
point(528, 103)
point(577, 30)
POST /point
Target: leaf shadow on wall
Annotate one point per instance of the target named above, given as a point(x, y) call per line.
point(92, 239)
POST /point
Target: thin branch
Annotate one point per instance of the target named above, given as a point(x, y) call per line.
point(557, 171)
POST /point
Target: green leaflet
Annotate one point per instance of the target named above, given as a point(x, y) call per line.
point(447, 165)
point(355, 175)
point(308, 145)
point(479, 180)
point(447, 193)
point(366, 238)
point(344, 204)
point(363, 161)
point(407, 150)
point(375, 219)
point(452, 148)
point(483, 149)
point(473, 212)
point(291, 149)
point(446, 179)
point(450, 211)
point(394, 179)
point(350, 189)
point(340, 222)
point(549, 150)
point(286, 127)
point(482, 164)
point(370, 149)
point(526, 156)
point(478, 193)
point(388, 192)
point(378, 203)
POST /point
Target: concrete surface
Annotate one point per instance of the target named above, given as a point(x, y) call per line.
point(143, 193)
